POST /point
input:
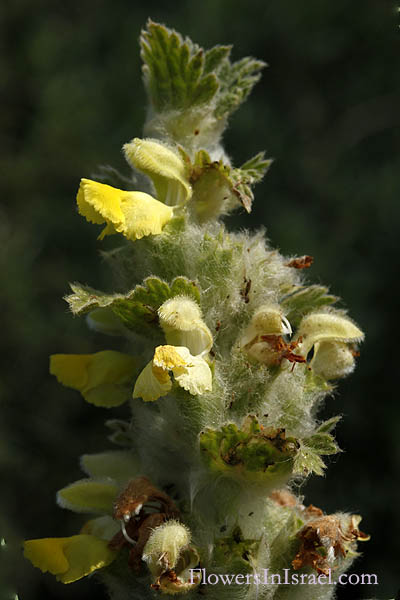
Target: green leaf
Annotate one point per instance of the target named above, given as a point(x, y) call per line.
point(249, 452)
point(214, 58)
point(85, 298)
point(174, 69)
point(308, 461)
point(329, 425)
point(180, 75)
point(248, 174)
point(322, 443)
point(137, 309)
point(299, 300)
point(236, 82)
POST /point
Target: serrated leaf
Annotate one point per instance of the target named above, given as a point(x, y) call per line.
point(308, 461)
point(322, 443)
point(85, 298)
point(248, 174)
point(180, 75)
point(214, 58)
point(329, 425)
point(174, 69)
point(137, 309)
point(300, 300)
point(236, 82)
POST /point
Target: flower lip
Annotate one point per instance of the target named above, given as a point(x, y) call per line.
point(134, 214)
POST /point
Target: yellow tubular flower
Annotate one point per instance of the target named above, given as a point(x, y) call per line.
point(102, 378)
point(332, 336)
point(134, 214)
point(192, 373)
point(327, 327)
point(164, 166)
point(181, 321)
point(69, 558)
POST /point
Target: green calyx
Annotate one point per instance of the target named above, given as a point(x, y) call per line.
point(218, 188)
point(236, 552)
point(250, 452)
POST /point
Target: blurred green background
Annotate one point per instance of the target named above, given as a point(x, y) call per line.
point(327, 110)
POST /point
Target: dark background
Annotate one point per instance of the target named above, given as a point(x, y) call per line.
point(327, 110)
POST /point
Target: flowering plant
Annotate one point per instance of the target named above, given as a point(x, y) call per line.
point(226, 355)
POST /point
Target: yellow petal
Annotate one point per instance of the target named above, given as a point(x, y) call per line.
point(120, 465)
point(89, 496)
point(169, 357)
point(47, 554)
point(267, 320)
point(103, 528)
point(101, 377)
point(195, 377)
point(100, 203)
point(134, 214)
point(318, 327)
point(69, 558)
point(332, 359)
point(150, 387)
point(144, 215)
point(191, 372)
point(164, 166)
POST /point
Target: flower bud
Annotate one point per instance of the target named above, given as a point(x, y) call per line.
point(263, 335)
point(164, 166)
point(181, 320)
point(164, 547)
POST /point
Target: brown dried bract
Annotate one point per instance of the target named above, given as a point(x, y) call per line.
point(323, 540)
point(313, 511)
point(319, 539)
point(302, 262)
point(283, 498)
point(141, 507)
point(137, 493)
point(282, 349)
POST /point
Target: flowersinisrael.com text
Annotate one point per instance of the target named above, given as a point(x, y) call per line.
point(286, 577)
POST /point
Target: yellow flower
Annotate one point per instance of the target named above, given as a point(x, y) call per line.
point(69, 558)
point(331, 336)
point(192, 373)
point(102, 378)
point(164, 166)
point(134, 214)
point(181, 321)
point(267, 324)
